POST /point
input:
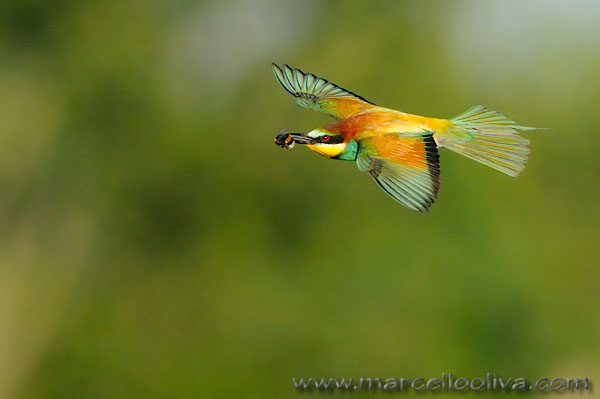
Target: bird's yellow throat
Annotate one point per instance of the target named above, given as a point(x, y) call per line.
point(328, 150)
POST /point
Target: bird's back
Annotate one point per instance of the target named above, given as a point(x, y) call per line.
point(378, 120)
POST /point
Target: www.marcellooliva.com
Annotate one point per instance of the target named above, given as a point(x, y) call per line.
point(447, 382)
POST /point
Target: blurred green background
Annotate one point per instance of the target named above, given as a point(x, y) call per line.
point(155, 243)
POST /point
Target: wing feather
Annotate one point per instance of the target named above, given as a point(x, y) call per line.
point(406, 168)
point(319, 94)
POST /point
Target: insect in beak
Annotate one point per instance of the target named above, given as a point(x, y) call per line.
point(287, 140)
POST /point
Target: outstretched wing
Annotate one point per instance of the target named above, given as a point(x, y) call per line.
point(405, 167)
point(319, 94)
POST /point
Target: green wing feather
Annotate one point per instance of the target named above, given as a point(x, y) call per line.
point(317, 93)
point(415, 188)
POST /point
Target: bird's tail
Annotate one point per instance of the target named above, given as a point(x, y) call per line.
point(489, 137)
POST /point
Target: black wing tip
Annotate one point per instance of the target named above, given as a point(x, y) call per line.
point(433, 163)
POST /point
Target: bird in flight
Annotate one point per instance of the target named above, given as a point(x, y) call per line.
point(400, 150)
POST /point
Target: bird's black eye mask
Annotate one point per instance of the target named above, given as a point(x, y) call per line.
point(330, 139)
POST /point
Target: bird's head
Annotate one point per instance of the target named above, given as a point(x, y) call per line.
point(327, 143)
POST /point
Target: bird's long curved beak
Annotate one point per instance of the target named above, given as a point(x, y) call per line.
point(302, 138)
point(288, 140)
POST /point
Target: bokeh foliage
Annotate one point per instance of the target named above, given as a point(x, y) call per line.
point(155, 243)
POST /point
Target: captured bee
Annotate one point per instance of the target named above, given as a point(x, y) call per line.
point(288, 140)
point(285, 140)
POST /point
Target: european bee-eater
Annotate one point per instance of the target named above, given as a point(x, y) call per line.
point(400, 150)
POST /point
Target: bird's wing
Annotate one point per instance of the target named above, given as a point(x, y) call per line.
point(405, 167)
point(319, 94)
